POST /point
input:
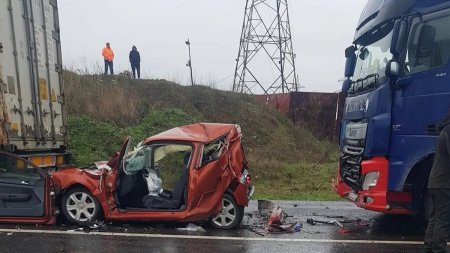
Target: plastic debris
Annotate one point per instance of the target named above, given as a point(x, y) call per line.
point(276, 222)
point(192, 228)
point(277, 216)
point(313, 222)
point(290, 228)
point(97, 225)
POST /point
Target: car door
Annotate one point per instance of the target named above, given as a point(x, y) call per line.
point(210, 180)
point(24, 190)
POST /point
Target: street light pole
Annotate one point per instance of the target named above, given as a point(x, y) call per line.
point(189, 63)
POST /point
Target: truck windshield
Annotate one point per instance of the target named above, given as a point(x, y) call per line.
point(372, 57)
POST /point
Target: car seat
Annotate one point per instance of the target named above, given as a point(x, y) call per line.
point(130, 190)
point(173, 200)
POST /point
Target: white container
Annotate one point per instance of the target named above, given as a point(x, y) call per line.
point(32, 114)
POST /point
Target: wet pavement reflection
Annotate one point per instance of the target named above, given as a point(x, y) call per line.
point(394, 233)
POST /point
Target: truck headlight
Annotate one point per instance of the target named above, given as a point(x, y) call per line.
point(370, 180)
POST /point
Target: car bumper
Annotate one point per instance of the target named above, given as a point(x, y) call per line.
point(377, 198)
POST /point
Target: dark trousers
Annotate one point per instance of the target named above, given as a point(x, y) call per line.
point(136, 67)
point(438, 229)
point(109, 64)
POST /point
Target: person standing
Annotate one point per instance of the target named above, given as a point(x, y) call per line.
point(108, 55)
point(438, 229)
point(135, 60)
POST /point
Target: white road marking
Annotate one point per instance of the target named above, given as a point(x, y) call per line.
point(218, 238)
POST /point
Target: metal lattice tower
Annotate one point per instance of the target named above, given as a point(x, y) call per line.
point(266, 40)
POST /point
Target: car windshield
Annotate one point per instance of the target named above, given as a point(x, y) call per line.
point(373, 55)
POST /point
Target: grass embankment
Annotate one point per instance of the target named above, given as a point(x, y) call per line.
point(286, 162)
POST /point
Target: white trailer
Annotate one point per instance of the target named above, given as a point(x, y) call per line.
point(32, 116)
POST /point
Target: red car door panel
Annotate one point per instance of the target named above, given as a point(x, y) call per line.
point(24, 189)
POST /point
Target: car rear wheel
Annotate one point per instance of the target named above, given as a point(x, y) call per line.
point(230, 216)
point(79, 206)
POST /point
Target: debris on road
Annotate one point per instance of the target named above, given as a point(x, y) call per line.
point(274, 221)
point(192, 228)
point(313, 222)
point(342, 230)
point(277, 216)
point(280, 229)
point(97, 224)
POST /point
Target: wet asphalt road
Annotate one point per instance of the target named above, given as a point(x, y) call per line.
point(366, 232)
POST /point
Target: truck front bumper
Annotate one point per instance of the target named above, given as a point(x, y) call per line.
point(376, 198)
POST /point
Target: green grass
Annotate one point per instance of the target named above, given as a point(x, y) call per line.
point(92, 141)
point(298, 181)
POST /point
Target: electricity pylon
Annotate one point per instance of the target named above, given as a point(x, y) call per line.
point(266, 59)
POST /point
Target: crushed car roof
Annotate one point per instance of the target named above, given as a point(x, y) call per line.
point(200, 132)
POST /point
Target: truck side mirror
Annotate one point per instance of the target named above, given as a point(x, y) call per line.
point(393, 69)
point(346, 85)
point(350, 62)
point(399, 37)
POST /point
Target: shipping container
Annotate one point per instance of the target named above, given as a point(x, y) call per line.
point(32, 117)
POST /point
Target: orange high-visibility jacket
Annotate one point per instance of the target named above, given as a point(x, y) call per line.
point(108, 54)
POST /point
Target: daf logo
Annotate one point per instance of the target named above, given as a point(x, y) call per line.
point(441, 75)
point(352, 132)
point(396, 127)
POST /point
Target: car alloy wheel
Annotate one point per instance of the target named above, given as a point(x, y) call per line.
point(227, 215)
point(79, 206)
point(231, 214)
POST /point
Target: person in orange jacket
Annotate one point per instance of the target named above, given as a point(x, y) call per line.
point(108, 54)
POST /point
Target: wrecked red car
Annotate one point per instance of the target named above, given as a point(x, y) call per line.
point(186, 174)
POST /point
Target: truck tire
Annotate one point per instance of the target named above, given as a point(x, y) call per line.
point(231, 214)
point(80, 207)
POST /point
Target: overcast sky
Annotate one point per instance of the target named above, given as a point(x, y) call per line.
point(321, 30)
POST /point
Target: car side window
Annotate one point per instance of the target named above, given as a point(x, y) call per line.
point(429, 43)
point(212, 151)
point(15, 169)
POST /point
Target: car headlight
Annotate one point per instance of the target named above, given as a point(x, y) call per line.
point(370, 180)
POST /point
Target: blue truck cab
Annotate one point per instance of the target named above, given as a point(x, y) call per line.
point(398, 90)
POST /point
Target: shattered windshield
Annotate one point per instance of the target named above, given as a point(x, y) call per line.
point(144, 156)
point(372, 57)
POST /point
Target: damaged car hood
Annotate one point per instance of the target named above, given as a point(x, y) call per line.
point(200, 132)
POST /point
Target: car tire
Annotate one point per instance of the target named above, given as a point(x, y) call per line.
point(80, 207)
point(231, 214)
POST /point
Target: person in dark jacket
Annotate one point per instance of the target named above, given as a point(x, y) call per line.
point(438, 229)
point(135, 60)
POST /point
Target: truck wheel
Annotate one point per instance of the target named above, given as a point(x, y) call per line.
point(79, 206)
point(230, 216)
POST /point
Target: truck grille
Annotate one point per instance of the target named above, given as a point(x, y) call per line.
point(351, 166)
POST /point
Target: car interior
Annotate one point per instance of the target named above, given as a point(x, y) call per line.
point(169, 164)
point(22, 188)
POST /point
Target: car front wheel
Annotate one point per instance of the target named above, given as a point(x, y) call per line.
point(230, 216)
point(79, 206)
